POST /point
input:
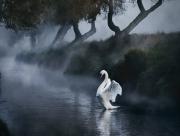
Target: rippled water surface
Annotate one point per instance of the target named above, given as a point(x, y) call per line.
point(38, 102)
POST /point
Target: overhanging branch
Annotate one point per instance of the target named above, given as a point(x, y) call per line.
point(76, 30)
point(61, 33)
point(140, 5)
point(111, 24)
point(86, 35)
point(142, 15)
point(90, 32)
point(159, 3)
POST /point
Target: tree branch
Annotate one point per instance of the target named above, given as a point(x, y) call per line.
point(86, 35)
point(159, 3)
point(61, 33)
point(140, 5)
point(111, 24)
point(76, 30)
point(90, 32)
point(142, 15)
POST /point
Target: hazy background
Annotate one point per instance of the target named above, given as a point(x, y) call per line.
point(47, 102)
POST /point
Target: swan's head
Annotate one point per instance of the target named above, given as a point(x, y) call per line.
point(103, 72)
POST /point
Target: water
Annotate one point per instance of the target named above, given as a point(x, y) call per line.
point(39, 102)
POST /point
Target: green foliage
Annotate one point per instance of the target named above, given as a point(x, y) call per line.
point(25, 14)
point(130, 69)
point(75, 10)
point(162, 76)
point(22, 14)
point(119, 6)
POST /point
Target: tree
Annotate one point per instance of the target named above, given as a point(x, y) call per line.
point(28, 14)
point(23, 15)
point(141, 16)
point(91, 8)
point(71, 12)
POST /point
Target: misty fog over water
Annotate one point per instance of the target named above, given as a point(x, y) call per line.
point(37, 101)
point(40, 102)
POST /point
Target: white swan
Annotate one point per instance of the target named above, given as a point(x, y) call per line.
point(107, 91)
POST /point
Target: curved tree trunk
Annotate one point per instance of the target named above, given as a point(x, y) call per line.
point(135, 22)
point(61, 33)
point(142, 15)
point(75, 43)
point(81, 38)
point(76, 30)
point(111, 24)
point(90, 32)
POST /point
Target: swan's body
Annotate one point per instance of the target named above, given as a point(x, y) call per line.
point(107, 91)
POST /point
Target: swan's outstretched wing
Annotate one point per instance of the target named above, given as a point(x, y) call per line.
point(114, 90)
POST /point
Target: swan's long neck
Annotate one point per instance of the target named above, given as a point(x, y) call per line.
point(106, 78)
point(105, 84)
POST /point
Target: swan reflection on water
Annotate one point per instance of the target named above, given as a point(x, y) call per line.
point(105, 122)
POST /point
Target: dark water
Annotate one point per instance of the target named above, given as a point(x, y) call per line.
point(39, 102)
